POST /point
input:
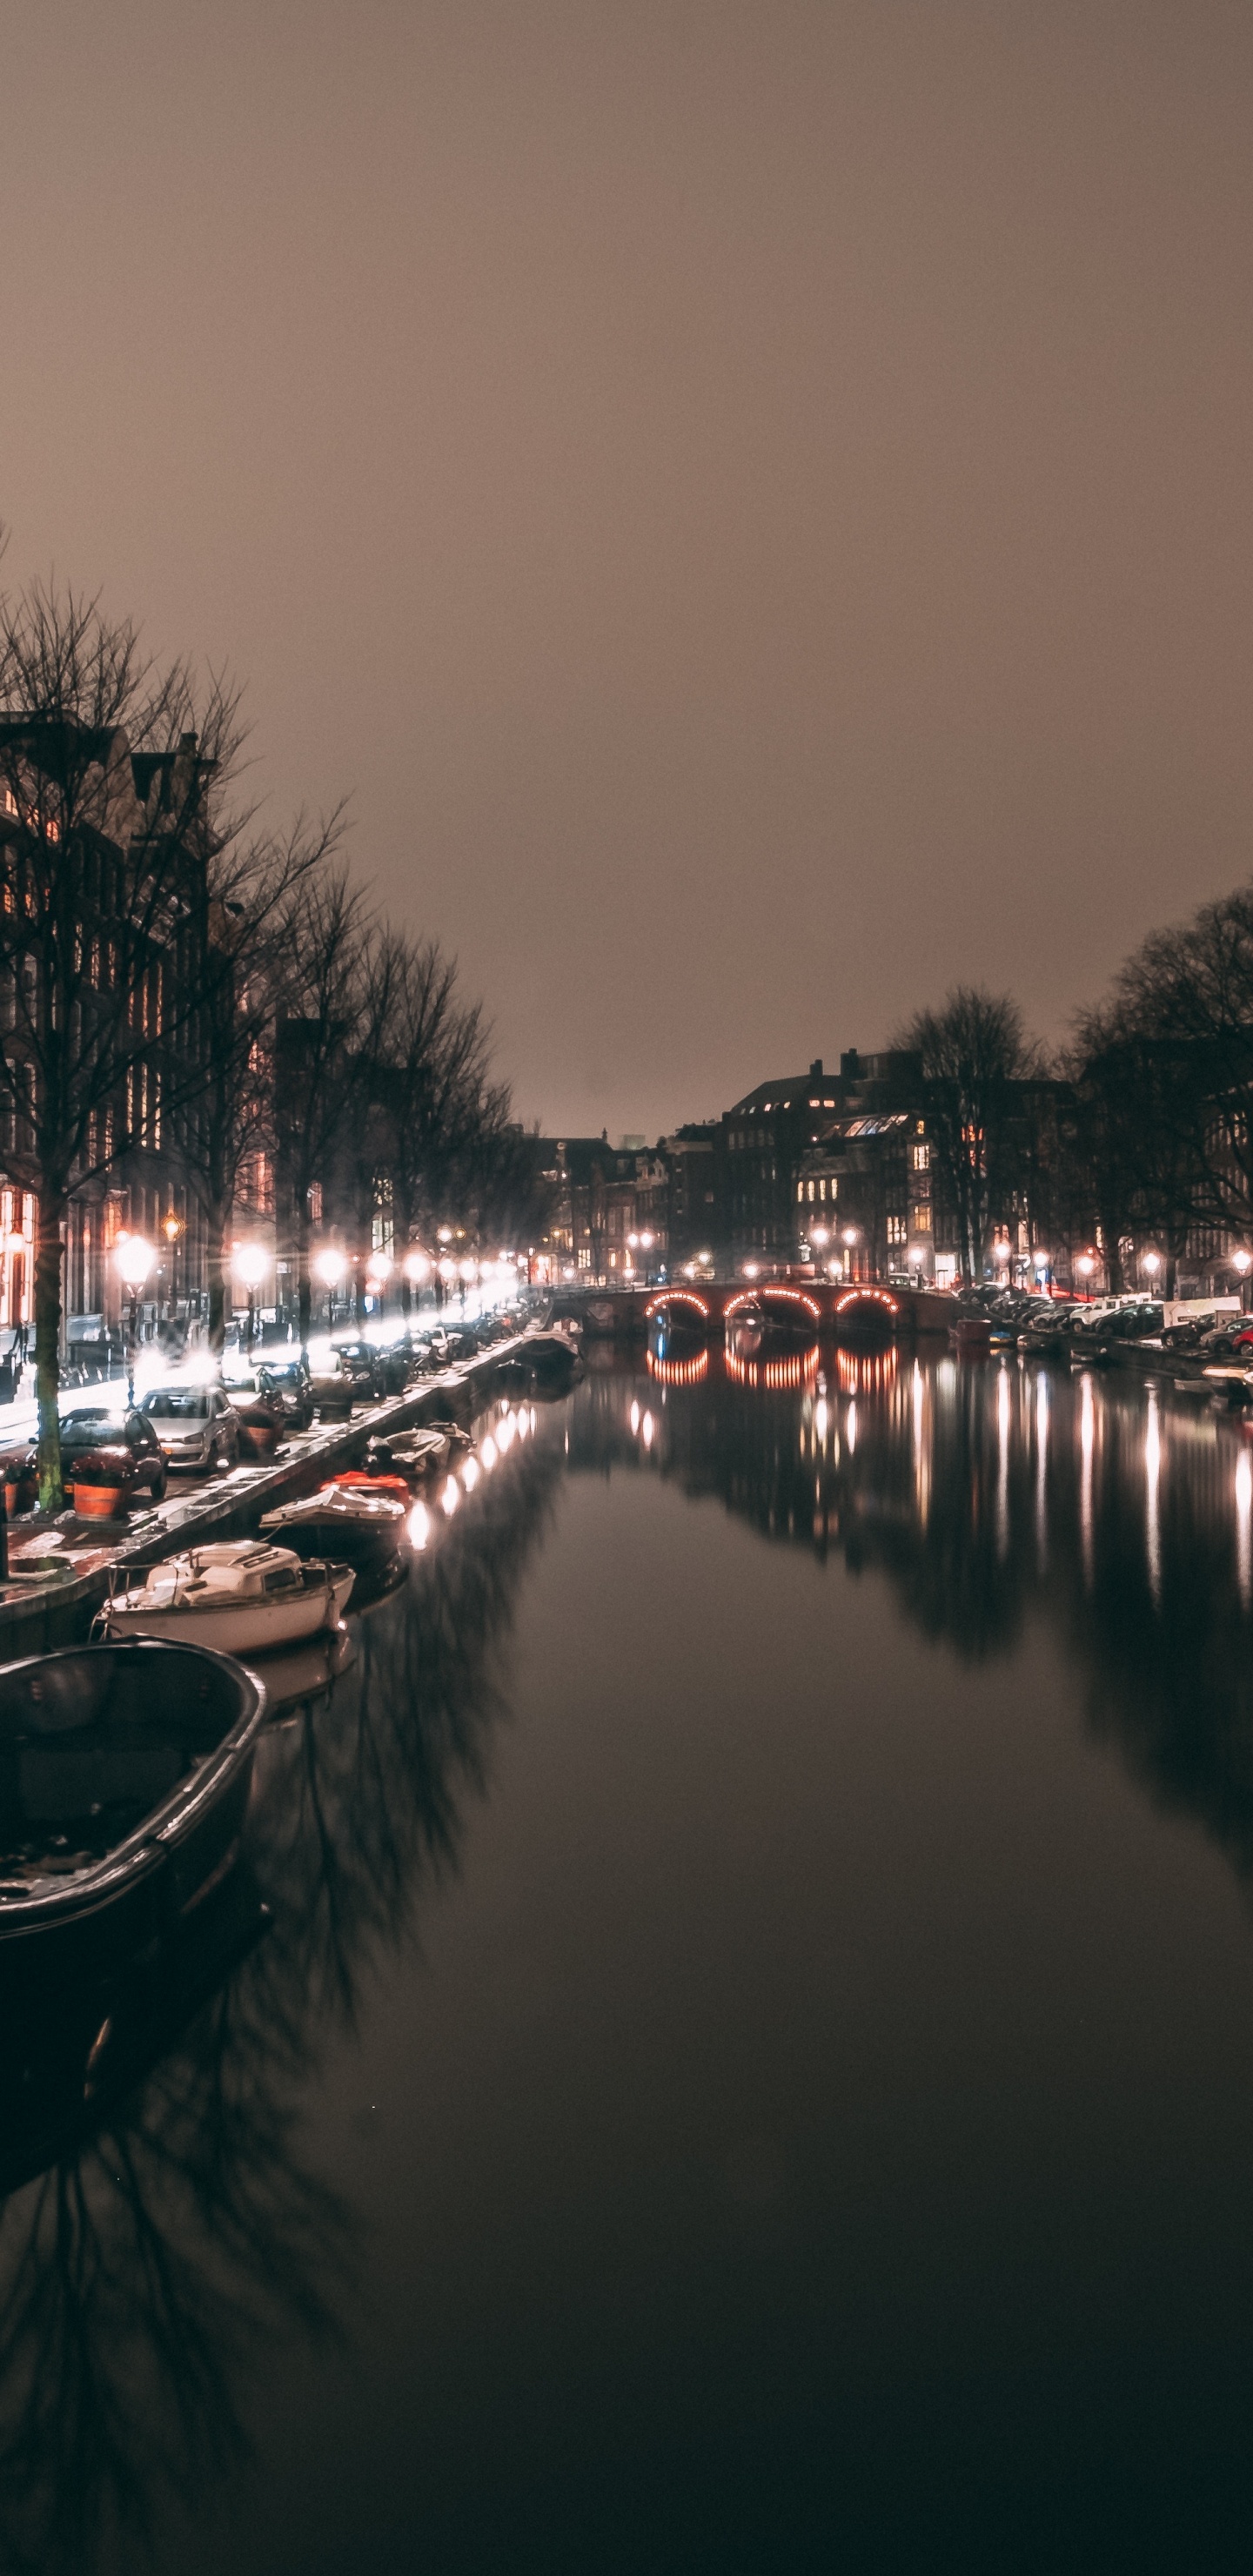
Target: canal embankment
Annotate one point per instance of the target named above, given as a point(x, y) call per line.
point(41, 1608)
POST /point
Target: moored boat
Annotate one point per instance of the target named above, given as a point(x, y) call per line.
point(242, 1596)
point(414, 1455)
point(124, 1774)
point(343, 1522)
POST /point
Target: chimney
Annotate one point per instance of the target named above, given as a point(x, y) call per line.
point(815, 1070)
point(850, 1065)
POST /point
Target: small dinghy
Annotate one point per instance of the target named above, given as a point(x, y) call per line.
point(241, 1595)
point(348, 1522)
point(124, 1774)
point(415, 1455)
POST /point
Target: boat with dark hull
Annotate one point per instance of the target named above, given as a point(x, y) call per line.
point(124, 1777)
point(347, 1523)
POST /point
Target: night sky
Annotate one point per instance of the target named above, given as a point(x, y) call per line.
point(751, 502)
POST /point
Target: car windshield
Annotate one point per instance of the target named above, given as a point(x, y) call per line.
point(177, 1404)
point(99, 1418)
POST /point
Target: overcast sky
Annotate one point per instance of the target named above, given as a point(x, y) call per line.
point(752, 503)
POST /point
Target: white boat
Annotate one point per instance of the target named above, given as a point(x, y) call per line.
point(241, 1596)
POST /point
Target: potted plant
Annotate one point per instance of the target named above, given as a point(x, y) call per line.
point(21, 1484)
point(259, 1425)
point(101, 1482)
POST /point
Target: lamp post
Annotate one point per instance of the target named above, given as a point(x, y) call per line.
point(417, 1270)
point(1085, 1265)
point(1242, 1263)
point(1151, 1262)
point(379, 1269)
point(329, 1266)
point(171, 1228)
point(134, 1257)
point(250, 1262)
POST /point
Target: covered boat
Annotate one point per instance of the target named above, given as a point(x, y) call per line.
point(411, 1454)
point(242, 1595)
point(124, 1773)
point(341, 1521)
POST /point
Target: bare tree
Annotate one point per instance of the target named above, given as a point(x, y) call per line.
point(431, 1084)
point(113, 780)
point(972, 1052)
point(1182, 1016)
point(229, 1115)
point(327, 949)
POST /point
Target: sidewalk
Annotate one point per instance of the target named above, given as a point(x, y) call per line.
point(40, 1610)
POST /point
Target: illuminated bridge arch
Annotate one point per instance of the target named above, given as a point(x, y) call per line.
point(677, 1297)
point(758, 1297)
point(867, 1306)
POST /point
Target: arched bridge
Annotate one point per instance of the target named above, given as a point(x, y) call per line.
point(832, 1306)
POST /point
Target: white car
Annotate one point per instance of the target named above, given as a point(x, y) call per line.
point(197, 1426)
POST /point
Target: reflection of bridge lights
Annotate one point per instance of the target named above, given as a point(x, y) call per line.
point(419, 1526)
point(646, 1430)
point(634, 1418)
point(772, 1373)
point(451, 1496)
point(489, 1453)
point(677, 1372)
point(865, 1372)
point(850, 1428)
point(470, 1474)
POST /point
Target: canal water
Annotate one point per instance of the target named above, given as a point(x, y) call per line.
point(749, 2066)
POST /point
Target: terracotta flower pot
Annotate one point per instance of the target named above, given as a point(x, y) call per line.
point(20, 1495)
point(100, 1502)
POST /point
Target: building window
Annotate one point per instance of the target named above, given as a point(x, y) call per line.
point(315, 1202)
point(896, 1229)
point(921, 1158)
point(922, 1220)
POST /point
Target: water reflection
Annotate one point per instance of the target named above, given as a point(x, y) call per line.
point(148, 2272)
point(988, 1494)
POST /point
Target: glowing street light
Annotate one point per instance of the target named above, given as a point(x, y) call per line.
point(1001, 1252)
point(134, 1258)
point(820, 1234)
point(1241, 1261)
point(250, 1261)
point(1152, 1263)
point(329, 1266)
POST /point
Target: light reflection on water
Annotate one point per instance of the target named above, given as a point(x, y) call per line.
point(958, 2018)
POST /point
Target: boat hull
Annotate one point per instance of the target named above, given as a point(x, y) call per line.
point(363, 1544)
point(98, 1717)
point(234, 1627)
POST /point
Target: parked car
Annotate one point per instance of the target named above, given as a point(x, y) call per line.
point(284, 1384)
point(195, 1426)
point(119, 1433)
point(360, 1363)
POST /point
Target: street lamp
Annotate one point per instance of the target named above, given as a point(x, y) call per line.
point(1001, 1252)
point(250, 1262)
point(1085, 1265)
point(1152, 1262)
point(379, 1269)
point(134, 1258)
point(172, 1228)
point(1241, 1262)
point(329, 1267)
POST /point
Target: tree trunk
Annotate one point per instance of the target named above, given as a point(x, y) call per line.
point(304, 1293)
point(51, 1206)
point(215, 1263)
